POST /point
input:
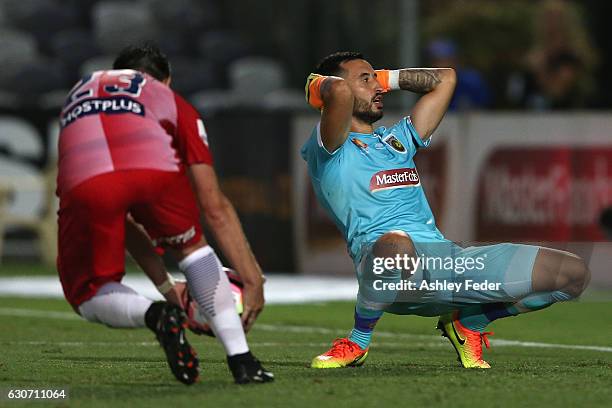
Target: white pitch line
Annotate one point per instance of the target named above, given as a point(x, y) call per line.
point(495, 342)
point(8, 311)
point(340, 332)
point(279, 328)
point(80, 343)
point(155, 344)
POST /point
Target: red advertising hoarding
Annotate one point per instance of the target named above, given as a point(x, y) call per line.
point(543, 194)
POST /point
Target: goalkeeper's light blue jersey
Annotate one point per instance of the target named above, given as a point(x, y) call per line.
point(370, 185)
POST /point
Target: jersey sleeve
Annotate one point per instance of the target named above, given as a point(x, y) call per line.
point(191, 137)
point(411, 136)
point(318, 148)
point(317, 156)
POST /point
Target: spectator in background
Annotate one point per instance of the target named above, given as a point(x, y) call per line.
point(559, 68)
point(472, 92)
point(555, 85)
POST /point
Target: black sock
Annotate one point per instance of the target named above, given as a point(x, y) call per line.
point(240, 358)
point(152, 315)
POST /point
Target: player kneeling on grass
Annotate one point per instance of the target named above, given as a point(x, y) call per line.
point(130, 145)
point(367, 180)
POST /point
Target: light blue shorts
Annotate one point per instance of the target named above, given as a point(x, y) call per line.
point(447, 277)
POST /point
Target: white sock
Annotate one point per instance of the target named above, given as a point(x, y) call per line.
point(116, 305)
point(210, 288)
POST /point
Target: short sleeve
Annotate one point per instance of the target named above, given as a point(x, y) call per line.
point(317, 156)
point(192, 140)
point(322, 150)
point(411, 136)
point(316, 149)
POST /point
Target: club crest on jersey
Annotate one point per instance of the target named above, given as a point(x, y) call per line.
point(396, 178)
point(394, 142)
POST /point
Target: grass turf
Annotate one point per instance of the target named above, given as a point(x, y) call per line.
point(407, 366)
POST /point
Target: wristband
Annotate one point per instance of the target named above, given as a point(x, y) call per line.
point(394, 79)
point(167, 285)
point(388, 79)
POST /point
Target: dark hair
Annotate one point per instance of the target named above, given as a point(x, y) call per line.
point(145, 58)
point(330, 65)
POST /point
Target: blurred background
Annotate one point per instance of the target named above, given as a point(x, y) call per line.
point(524, 154)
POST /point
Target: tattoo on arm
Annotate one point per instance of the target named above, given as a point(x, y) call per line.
point(419, 80)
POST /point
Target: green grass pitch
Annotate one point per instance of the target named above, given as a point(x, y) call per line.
point(45, 345)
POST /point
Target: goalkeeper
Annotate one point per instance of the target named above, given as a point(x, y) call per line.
point(366, 179)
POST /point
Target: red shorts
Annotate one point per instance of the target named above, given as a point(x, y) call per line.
point(92, 220)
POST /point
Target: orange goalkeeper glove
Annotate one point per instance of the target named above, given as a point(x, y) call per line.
point(313, 90)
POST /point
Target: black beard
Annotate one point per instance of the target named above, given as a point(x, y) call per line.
point(364, 113)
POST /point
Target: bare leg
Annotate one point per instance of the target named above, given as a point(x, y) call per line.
point(557, 276)
point(559, 270)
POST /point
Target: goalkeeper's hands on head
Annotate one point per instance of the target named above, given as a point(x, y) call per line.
point(388, 79)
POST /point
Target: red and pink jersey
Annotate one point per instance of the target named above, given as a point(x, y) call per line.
point(125, 119)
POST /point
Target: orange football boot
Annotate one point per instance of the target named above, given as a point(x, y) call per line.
point(343, 353)
point(467, 343)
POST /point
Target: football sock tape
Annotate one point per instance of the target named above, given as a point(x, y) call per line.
point(365, 321)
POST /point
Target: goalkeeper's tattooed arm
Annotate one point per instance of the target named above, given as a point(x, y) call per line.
point(419, 80)
point(437, 85)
